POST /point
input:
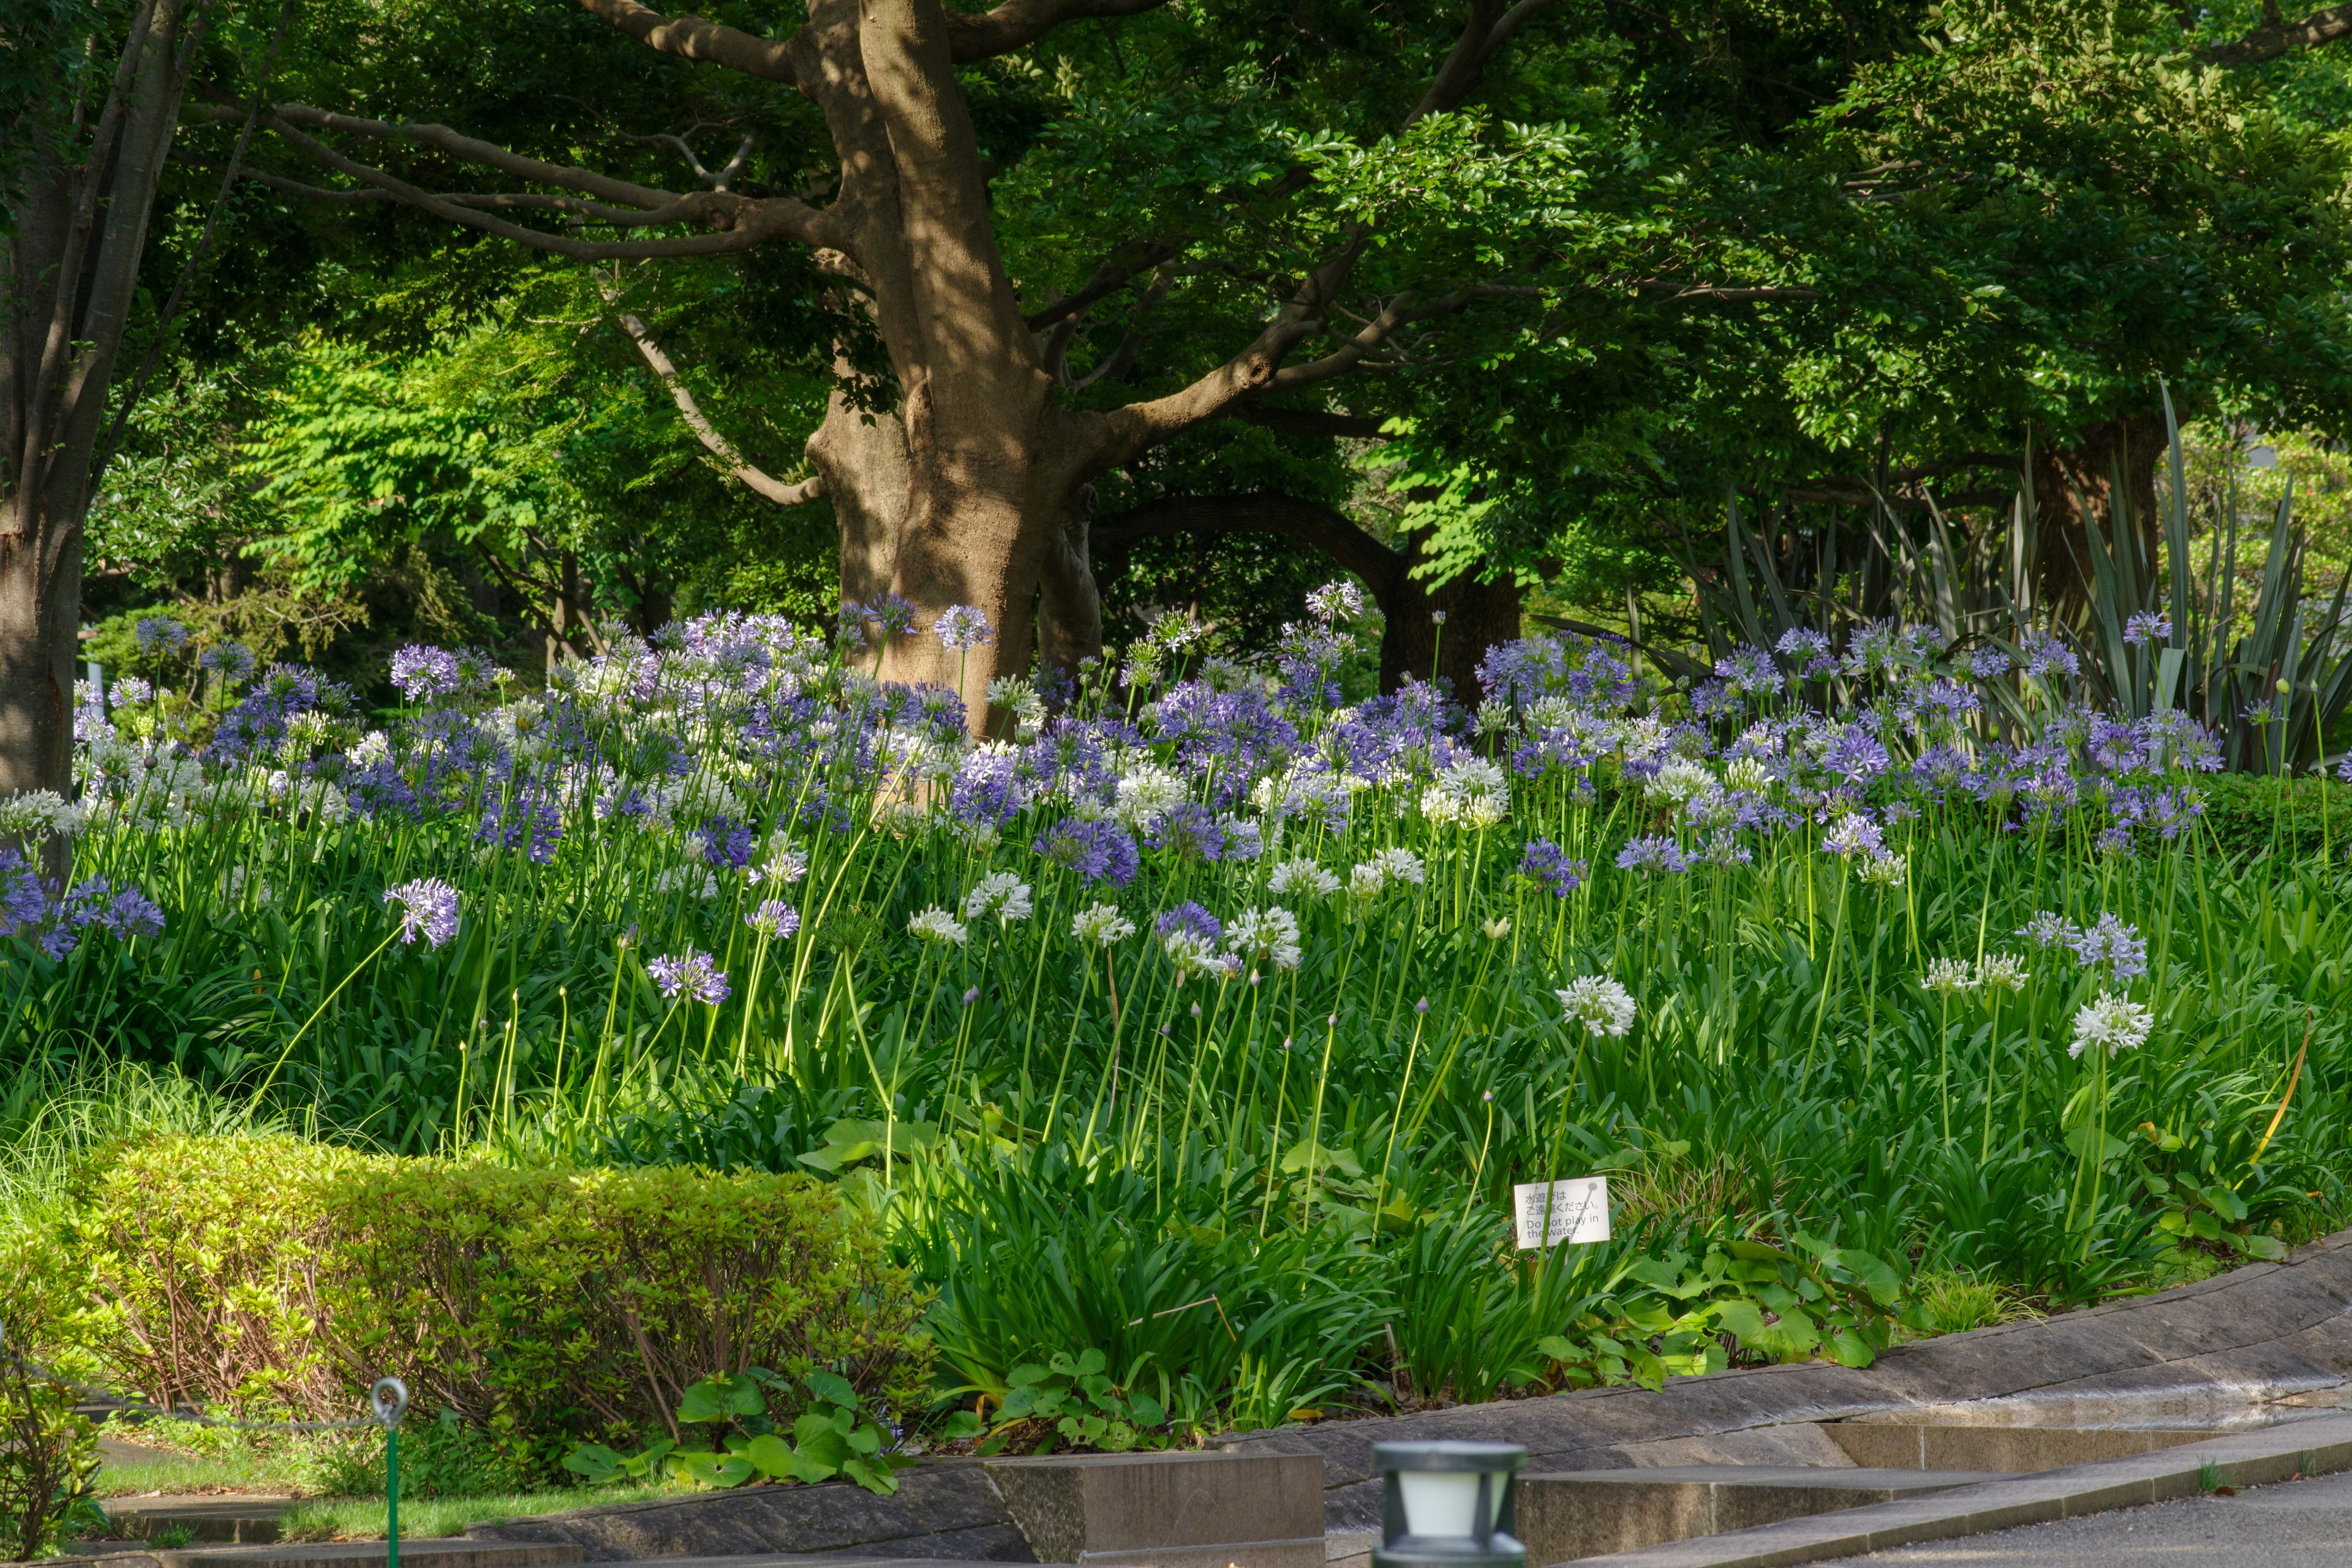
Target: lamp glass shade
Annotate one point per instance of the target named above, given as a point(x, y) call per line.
point(1444, 1503)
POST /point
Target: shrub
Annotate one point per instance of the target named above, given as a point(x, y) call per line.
point(537, 1303)
point(49, 1452)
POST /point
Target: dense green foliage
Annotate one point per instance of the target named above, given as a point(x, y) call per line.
point(271, 1275)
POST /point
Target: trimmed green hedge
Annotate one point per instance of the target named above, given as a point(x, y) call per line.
point(540, 1304)
point(2250, 814)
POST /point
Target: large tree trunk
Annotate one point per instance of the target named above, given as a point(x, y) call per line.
point(71, 269)
point(1477, 616)
point(1412, 642)
point(2066, 479)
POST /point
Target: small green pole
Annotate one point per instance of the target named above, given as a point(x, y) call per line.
point(392, 1496)
point(390, 1397)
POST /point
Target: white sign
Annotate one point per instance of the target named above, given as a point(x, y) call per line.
point(1577, 1210)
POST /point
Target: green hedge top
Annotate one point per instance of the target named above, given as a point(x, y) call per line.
point(543, 1303)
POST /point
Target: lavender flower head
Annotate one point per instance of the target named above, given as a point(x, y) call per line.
point(159, 633)
point(690, 974)
point(1855, 834)
point(423, 673)
point(2147, 627)
point(232, 661)
point(1099, 851)
point(2113, 945)
point(427, 906)
point(774, 920)
point(961, 627)
point(1544, 862)
point(1988, 664)
point(1654, 853)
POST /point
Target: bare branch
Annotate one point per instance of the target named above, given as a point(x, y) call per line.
point(741, 223)
point(1729, 296)
point(738, 466)
point(2274, 39)
point(1109, 279)
point(441, 139)
point(1130, 342)
point(1017, 24)
point(293, 187)
point(704, 42)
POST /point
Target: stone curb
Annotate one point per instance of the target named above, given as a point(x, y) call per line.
point(2188, 1356)
point(2316, 1446)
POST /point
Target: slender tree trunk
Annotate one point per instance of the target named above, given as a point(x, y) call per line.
point(2068, 478)
point(70, 273)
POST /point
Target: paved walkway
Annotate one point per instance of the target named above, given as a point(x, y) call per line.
point(2299, 1524)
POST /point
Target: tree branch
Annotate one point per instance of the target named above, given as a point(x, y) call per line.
point(1712, 291)
point(740, 222)
point(441, 139)
point(1017, 24)
point(2270, 42)
point(704, 42)
point(738, 466)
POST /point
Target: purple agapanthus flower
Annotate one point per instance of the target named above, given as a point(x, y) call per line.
point(428, 907)
point(2112, 944)
point(423, 673)
point(690, 974)
point(726, 843)
point(773, 919)
point(1189, 830)
point(1655, 852)
point(232, 661)
point(1546, 863)
point(159, 633)
point(2146, 626)
point(1189, 918)
point(961, 627)
point(1099, 851)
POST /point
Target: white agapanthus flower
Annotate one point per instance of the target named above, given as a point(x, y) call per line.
point(371, 748)
point(1000, 894)
point(1271, 932)
point(1101, 925)
point(1016, 696)
point(2001, 971)
point(1679, 781)
point(1145, 793)
point(1496, 930)
point(1400, 866)
point(1949, 977)
point(1367, 880)
point(1747, 773)
point(1299, 877)
point(936, 925)
point(1885, 871)
point(695, 878)
point(1193, 953)
point(1600, 1003)
point(36, 814)
point(781, 863)
point(2117, 1023)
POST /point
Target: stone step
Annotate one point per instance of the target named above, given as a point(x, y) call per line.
point(1584, 1514)
point(242, 1519)
point(2011, 1451)
point(442, 1551)
point(1192, 1509)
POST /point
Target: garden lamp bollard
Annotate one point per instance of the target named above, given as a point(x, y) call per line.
point(390, 1398)
point(1449, 1505)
